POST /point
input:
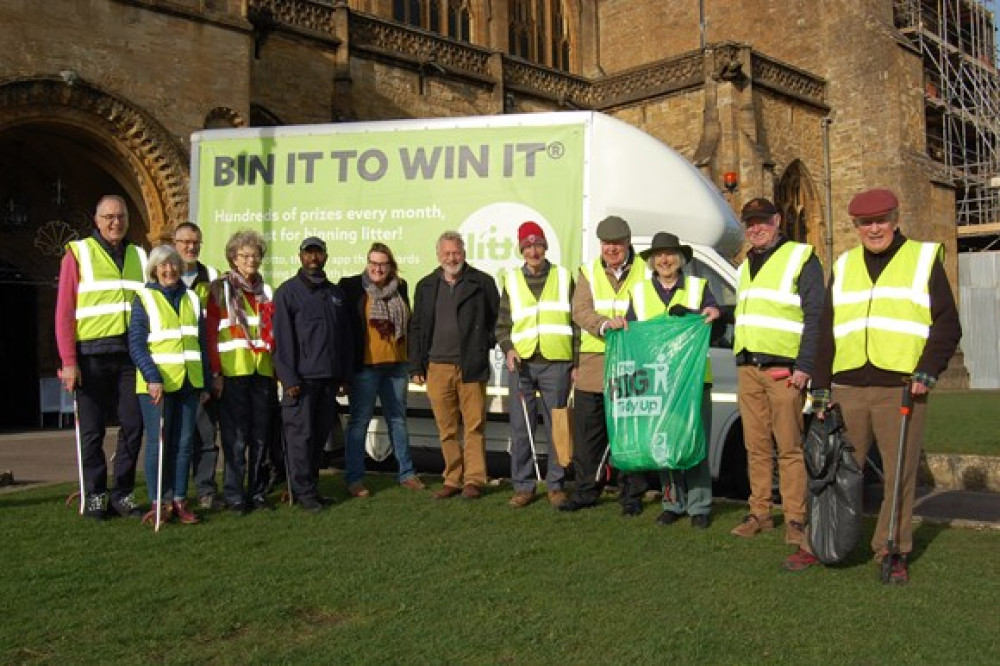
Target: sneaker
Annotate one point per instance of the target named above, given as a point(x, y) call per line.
point(667, 518)
point(800, 560)
point(357, 489)
point(413, 483)
point(210, 503)
point(183, 513)
point(260, 503)
point(150, 517)
point(126, 507)
point(94, 506)
point(471, 491)
point(900, 572)
point(311, 504)
point(239, 508)
point(795, 533)
point(521, 499)
point(752, 525)
point(557, 498)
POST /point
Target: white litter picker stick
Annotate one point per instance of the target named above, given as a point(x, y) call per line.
point(79, 452)
point(159, 478)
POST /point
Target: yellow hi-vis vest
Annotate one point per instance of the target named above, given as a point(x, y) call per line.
point(173, 340)
point(769, 310)
point(235, 353)
point(647, 303)
point(886, 323)
point(607, 301)
point(203, 288)
point(104, 294)
point(544, 324)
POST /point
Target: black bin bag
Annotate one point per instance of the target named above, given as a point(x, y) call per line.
point(835, 487)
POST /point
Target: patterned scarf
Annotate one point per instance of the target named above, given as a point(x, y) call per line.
point(237, 313)
point(388, 313)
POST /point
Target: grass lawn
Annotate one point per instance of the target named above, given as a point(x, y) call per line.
point(965, 422)
point(402, 578)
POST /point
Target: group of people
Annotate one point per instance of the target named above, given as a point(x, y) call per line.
point(225, 349)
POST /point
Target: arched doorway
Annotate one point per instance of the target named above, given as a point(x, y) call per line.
point(62, 146)
point(796, 196)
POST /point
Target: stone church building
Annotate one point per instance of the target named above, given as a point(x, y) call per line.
point(803, 101)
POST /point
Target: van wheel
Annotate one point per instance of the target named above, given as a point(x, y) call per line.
point(734, 481)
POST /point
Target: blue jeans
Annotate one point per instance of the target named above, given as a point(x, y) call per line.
point(387, 382)
point(179, 410)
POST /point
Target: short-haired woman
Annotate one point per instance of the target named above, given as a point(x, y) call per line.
point(380, 314)
point(166, 337)
point(239, 351)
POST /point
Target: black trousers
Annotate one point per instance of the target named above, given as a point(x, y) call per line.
point(107, 387)
point(307, 421)
point(590, 433)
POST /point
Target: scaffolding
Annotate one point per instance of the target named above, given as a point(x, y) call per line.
point(957, 41)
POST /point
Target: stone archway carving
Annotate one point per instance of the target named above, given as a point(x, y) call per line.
point(157, 162)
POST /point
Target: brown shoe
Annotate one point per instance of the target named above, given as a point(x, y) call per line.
point(357, 489)
point(447, 491)
point(795, 533)
point(413, 483)
point(752, 525)
point(471, 491)
point(521, 499)
point(557, 498)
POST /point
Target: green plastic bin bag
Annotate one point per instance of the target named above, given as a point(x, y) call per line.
point(654, 376)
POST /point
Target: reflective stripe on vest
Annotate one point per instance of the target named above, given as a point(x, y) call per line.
point(607, 301)
point(172, 340)
point(104, 293)
point(769, 312)
point(647, 303)
point(888, 322)
point(237, 357)
point(545, 322)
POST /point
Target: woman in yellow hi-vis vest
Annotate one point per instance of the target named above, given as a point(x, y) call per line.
point(670, 291)
point(238, 325)
point(166, 338)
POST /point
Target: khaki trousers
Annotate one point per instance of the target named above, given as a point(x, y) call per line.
point(771, 412)
point(452, 401)
point(871, 413)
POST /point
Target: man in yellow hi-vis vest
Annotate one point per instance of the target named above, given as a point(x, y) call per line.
point(780, 299)
point(205, 452)
point(535, 331)
point(600, 302)
point(890, 321)
point(97, 281)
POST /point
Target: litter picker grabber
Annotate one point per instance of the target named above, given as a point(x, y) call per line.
point(892, 546)
point(159, 478)
point(530, 427)
point(79, 456)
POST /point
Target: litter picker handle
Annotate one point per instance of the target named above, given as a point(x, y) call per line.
point(906, 407)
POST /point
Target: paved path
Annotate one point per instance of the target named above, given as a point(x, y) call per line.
point(49, 456)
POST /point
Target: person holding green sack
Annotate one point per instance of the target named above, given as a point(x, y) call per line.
point(670, 291)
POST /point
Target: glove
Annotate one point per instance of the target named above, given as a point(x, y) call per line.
point(677, 311)
point(925, 379)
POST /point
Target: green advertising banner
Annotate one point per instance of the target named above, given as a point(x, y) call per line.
point(402, 187)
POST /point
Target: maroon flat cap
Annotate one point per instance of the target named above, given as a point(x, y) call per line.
point(873, 203)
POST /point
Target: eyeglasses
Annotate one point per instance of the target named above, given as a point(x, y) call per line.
point(248, 255)
point(110, 217)
point(381, 265)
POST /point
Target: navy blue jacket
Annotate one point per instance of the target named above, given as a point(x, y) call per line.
point(312, 332)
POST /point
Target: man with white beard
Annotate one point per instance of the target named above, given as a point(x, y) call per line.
point(450, 338)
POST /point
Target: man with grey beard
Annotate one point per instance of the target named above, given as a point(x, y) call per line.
point(450, 338)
